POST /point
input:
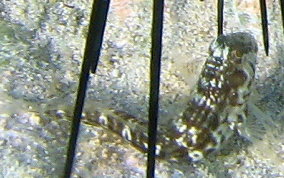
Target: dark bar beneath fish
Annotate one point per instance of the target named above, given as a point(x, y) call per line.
point(91, 57)
point(156, 51)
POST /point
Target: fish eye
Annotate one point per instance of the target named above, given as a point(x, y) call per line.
point(237, 56)
point(238, 53)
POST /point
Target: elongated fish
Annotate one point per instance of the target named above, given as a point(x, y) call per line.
point(216, 109)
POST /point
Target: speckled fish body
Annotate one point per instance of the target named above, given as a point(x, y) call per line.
point(216, 109)
point(219, 104)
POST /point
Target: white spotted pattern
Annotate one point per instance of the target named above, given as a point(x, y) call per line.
point(217, 108)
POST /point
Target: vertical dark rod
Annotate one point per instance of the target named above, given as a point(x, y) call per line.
point(264, 25)
point(282, 12)
point(91, 56)
point(155, 66)
point(220, 16)
point(97, 29)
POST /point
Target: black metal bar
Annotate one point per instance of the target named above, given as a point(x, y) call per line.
point(92, 51)
point(98, 26)
point(156, 52)
point(220, 16)
point(264, 25)
point(282, 13)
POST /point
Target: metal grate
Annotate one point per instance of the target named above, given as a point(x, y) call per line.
point(91, 57)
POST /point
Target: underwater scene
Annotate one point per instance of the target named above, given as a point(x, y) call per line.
point(42, 45)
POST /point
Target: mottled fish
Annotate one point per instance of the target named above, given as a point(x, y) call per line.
point(216, 109)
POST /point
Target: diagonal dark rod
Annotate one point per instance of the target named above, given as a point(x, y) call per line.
point(155, 66)
point(282, 12)
point(92, 51)
point(99, 21)
point(264, 25)
point(220, 18)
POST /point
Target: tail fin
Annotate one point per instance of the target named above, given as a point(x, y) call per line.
point(135, 131)
point(121, 123)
